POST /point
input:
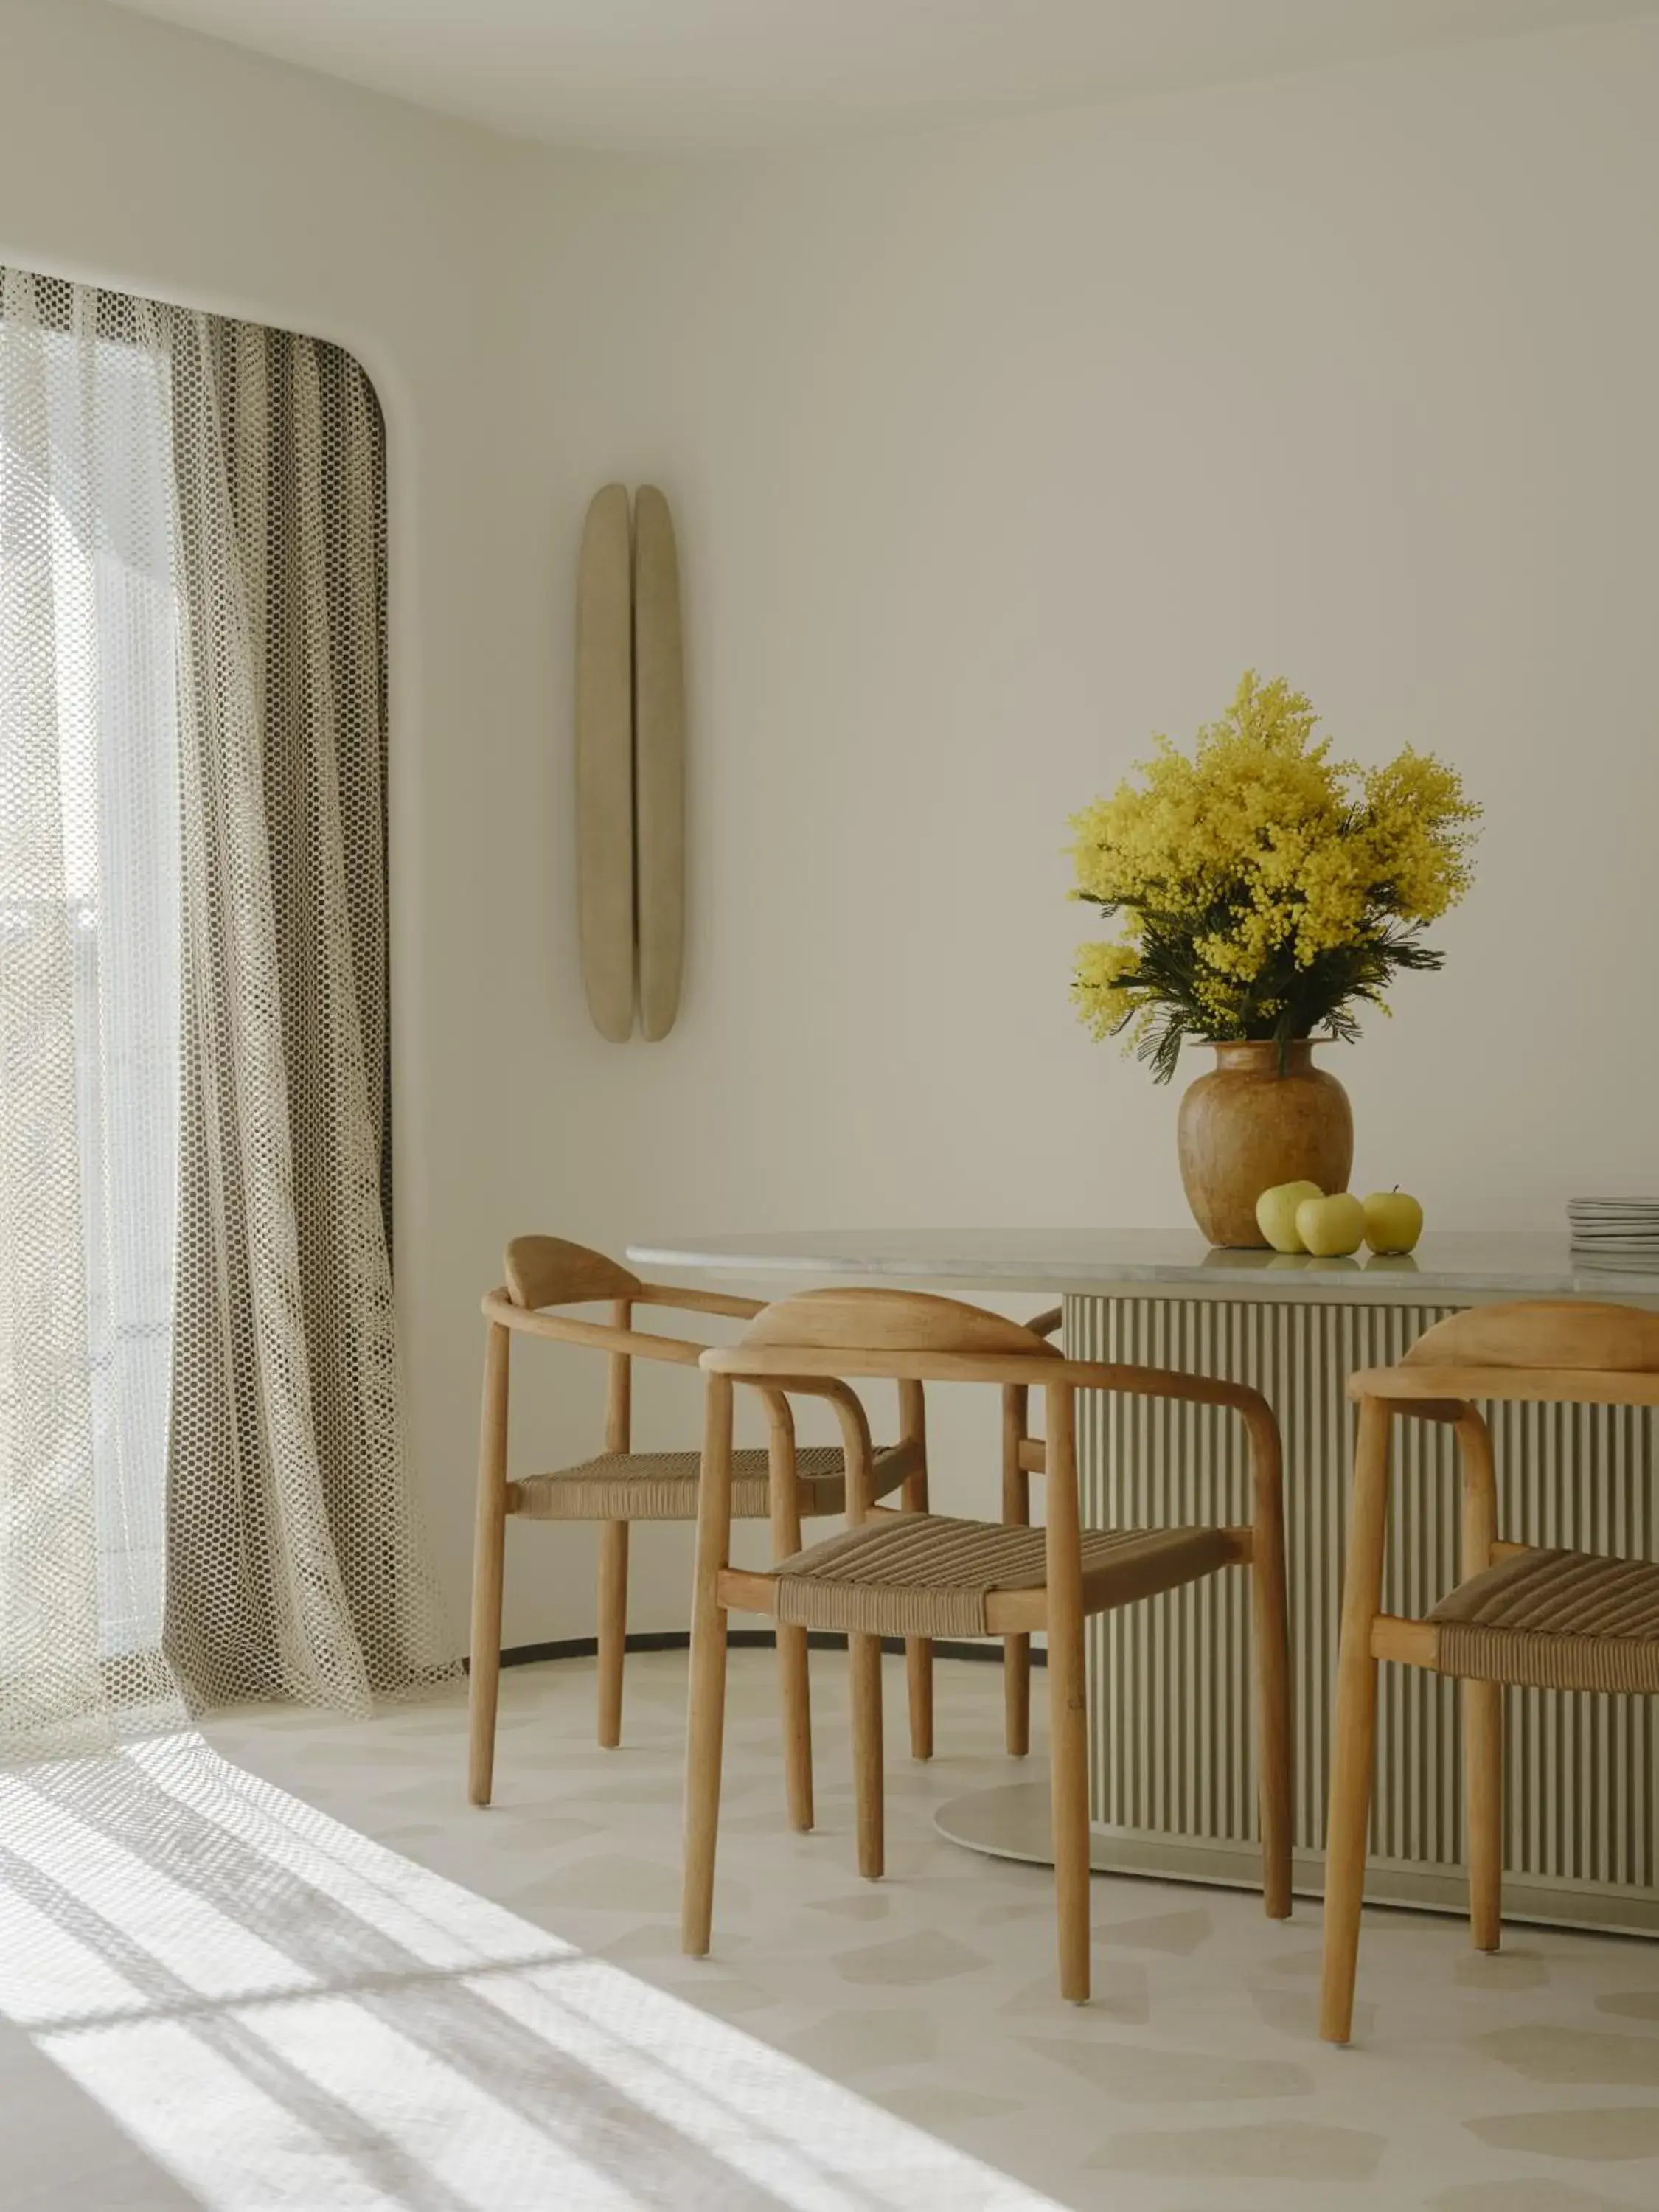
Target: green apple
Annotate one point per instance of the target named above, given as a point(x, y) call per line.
point(1331, 1228)
point(1275, 1213)
point(1394, 1222)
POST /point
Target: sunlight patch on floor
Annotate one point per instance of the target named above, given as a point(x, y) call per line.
point(284, 2015)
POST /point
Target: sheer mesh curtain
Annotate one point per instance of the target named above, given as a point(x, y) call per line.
point(88, 1011)
point(192, 1027)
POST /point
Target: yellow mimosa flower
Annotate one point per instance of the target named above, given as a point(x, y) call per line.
point(1264, 889)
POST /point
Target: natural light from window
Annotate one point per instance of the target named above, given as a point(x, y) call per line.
point(282, 2012)
point(113, 649)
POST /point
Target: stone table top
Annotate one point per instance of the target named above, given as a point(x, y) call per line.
point(1449, 1268)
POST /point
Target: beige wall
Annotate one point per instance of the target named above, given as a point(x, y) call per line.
point(992, 451)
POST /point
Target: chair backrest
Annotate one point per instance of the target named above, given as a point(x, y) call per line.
point(1569, 1334)
point(909, 1331)
point(547, 1271)
point(916, 1336)
point(1544, 1351)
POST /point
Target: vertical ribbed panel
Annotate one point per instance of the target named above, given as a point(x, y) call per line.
point(1170, 1678)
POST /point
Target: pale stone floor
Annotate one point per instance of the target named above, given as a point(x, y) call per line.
point(1195, 2082)
point(297, 1973)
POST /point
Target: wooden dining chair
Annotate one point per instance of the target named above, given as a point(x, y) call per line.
point(785, 1483)
point(1533, 1618)
point(911, 1573)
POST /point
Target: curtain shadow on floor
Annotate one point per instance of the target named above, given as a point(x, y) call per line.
point(280, 2012)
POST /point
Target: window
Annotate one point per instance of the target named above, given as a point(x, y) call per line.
point(90, 604)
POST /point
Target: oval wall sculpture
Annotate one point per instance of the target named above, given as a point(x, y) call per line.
point(630, 764)
point(659, 762)
point(604, 763)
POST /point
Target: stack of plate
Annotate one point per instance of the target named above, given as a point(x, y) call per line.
point(1615, 1232)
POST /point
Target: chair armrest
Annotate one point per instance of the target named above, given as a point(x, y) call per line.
point(858, 1450)
point(812, 1386)
point(1177, 1382)
point(1260, 1422)
point(1016, 1397)
point(708, 1302)
point(596, 1336)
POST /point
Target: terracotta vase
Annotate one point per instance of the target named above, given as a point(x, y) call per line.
point(1245, 1127)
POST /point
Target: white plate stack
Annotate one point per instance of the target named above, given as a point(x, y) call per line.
point(1614, 1232)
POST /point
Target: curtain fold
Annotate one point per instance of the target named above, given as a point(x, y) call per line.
point(297, 1565)
point(236, 1416)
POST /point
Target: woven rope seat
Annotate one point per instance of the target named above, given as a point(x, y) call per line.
point(1554, 1620)
point(663, 1485)
point(919, 1574)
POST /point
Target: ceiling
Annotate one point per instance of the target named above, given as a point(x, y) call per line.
point(730, 74)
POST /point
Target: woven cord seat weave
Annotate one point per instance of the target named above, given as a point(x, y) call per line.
point(663, 1485)
point(918, 1574)
point(1554, 1620)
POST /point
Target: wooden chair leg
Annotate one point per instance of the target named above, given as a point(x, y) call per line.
point(1016, 1512)
point(794, 1683)
point(795, 1676)
point(489, 1548)
point(706, 1721)
point(918, 1683)
point(1270, 1636)
point(1068, 1754)
point(1483, 1702)
point(919, 1651)
point(1068, 1709)
point(613, 1628)
point(794, 1680)
point(1351, 1762)
point(1017, 1695)
point(1354, 1727)
point(1483, 1800)
point(864, 1652)
point(705, 1745)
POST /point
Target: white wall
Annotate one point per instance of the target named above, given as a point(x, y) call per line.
point(992, 452)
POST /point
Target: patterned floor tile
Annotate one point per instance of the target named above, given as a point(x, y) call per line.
point(1195, 2082)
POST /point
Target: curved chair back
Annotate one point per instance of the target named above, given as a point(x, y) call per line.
point(921, 1338)
point(549, 1271)
point(1566, 1350)
point(915, 1337)
point(890, 1321)
point(546, 1273)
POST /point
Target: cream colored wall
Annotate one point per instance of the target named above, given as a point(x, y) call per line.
point(990, 451)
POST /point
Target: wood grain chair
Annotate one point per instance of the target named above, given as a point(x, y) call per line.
point(908, 1573)
point(1534, 1619)
point(785, 1483)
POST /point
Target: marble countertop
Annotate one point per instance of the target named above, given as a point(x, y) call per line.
point(1449, 1267)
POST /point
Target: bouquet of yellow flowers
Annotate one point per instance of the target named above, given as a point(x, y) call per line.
point(1266, 890)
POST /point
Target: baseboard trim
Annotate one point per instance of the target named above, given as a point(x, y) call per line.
point(988, 1652)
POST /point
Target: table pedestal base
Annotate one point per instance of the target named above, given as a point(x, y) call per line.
point(1012, 1822)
